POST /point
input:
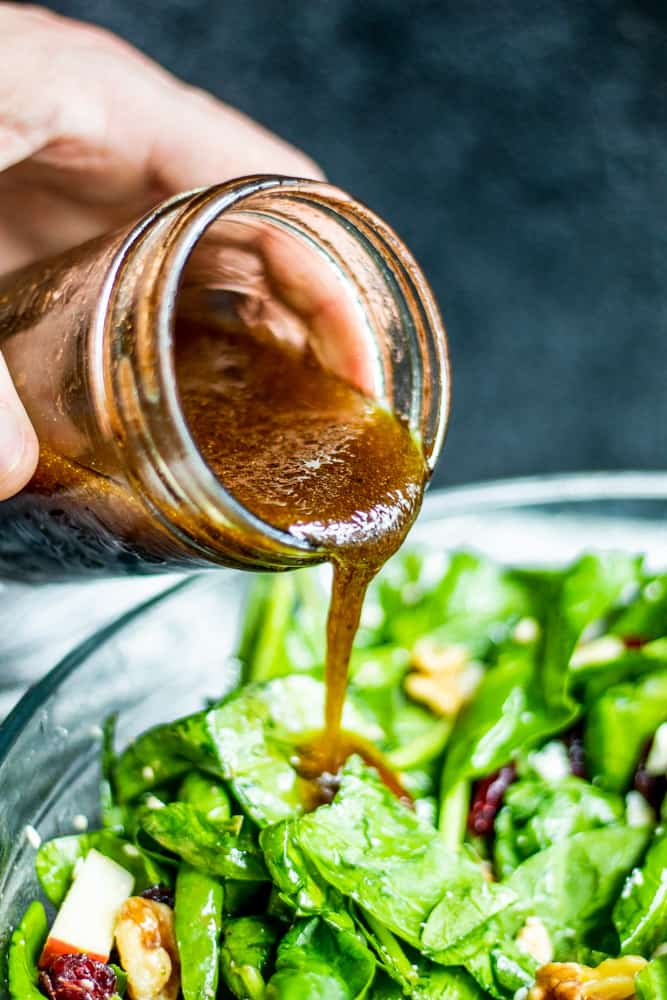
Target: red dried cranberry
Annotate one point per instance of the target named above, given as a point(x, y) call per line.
point(78, 977)
point(634, 641)
point(46, 986)
point(576, 754)
point(651, 786)
point(159, 894)
point(487, 799)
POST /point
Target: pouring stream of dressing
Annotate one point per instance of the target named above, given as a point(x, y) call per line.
point(311, 455)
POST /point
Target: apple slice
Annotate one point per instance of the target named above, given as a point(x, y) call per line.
point(85, 921)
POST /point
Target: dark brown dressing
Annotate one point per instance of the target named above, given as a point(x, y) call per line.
point(307, 453)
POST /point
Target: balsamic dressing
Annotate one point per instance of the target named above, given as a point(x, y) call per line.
point(309, 454)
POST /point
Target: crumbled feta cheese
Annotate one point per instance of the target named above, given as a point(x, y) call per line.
point(153, 802)
point(526, 630)
point(147, 773)
point(131, 850)
point(607, 647)
point(32, 837)
point(657, 759)
point(551, 763)
point(637, 810)
point(80, 822)
point(533, 938)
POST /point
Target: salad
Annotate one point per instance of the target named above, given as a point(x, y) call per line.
point(512, 844)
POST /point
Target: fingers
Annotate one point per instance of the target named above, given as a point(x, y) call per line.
point(18, 441)
point(202, 141)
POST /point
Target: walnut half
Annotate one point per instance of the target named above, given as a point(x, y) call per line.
point(443, 678)
point(147, 948)
point(613, 979)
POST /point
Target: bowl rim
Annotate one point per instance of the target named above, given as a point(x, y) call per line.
point(466, 500)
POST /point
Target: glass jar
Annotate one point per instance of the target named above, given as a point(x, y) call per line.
point(89, 339)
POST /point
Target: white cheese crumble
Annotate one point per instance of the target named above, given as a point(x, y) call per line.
point(607, 647)
point(657, 758)
point(533, 938)
point(32, 836)
point(551, 763)
point(526, 630)
point(80, 822)
point(637, 810)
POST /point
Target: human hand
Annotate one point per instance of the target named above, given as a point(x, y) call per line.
point(92, 134)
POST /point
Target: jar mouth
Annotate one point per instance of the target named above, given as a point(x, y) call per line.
point(419, 346)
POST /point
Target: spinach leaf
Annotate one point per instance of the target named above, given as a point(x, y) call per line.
point(25, 948)
point(408, 971)
point(571, 887)
point(619, 724)
point(651, 982)
point(384, 988)
point(205, 794)
point(537, 814)
point(254, 735)
point(248, 949)
point(587, 591)
point(640, 915)
point(162, 754)
point(526, 697)
point(469, 602)
point(248, 741)
point(56, 859)
point(592, 677)
point(508, 713)
point(436, 983)
point(646, 617)
point(197, 922)
point(298, 881)
point(226, 850)
point(396, 867)
point(316, 961)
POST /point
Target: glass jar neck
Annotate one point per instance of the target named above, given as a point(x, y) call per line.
point(291, 256)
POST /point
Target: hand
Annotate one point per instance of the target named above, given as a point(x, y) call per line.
point(92, 134)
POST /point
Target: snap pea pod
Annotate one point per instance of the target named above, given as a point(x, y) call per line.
point(24, 951)
point(198, 922)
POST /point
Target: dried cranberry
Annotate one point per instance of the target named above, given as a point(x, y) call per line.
point(487, 799)
point(576, 754)
point(46, 986)
point(633, 641)
point(159, 894)
point(78, 977)
point(651, 786)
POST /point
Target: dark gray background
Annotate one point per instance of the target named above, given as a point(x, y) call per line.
point(519, 147)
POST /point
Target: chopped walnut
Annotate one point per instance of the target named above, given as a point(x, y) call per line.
point(613, 979)
point(533, 938)
point(147, 948)
point(444, 678)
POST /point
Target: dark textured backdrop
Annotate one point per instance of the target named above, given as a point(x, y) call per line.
point(520, 148)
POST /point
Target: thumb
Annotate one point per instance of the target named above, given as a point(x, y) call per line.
point(18, 442)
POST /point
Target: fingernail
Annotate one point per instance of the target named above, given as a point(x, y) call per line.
point(12, 440)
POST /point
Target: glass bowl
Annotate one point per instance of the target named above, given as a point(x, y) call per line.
point(166, 657)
